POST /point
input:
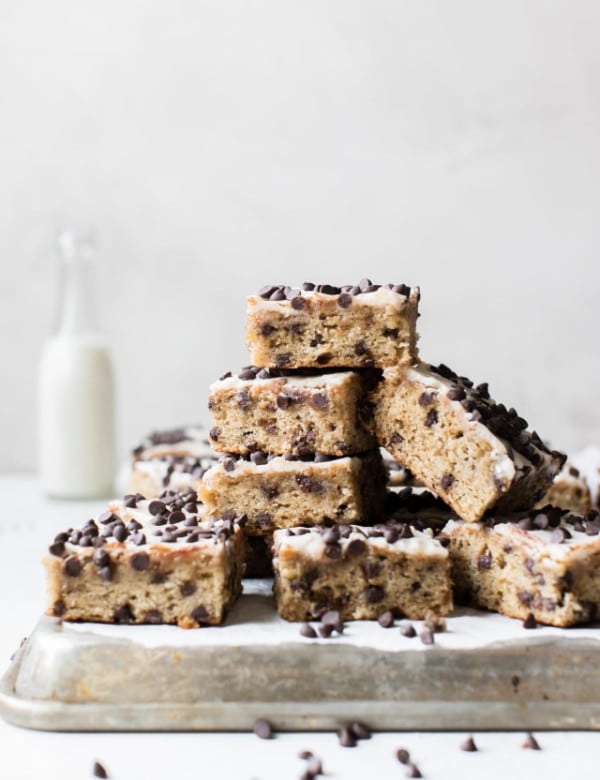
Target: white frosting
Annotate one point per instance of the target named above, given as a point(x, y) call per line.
point(279, 464)
point(588, 462)
point(380, 298)
point(194, 444)
point(325, 381)
point(157, 469)
point(312, 544)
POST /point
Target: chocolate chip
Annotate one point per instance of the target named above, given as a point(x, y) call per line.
point(431, 419)
point(360, 730)
point(456, 393)
point(156, 507)
point(130, 501)
point(214, 434)
point(259, 458)
point(484, 561)
point(355, 547)
point(386, 619)
point(344, 300)
point(105, 573)
point(308, 631)
point(57, 548)
point(123, 614)
point(305, 754)
point(530, 742)
point(403, 755)
point(153, 616)
point(120, 532)
point(558, 536)
point(139, 539)
point(469, 745)
point(328, 289)
point(324, 358)
point(408, 631)
point(391, 333)
point(263, 729)
point(413, 771)
point(447, 481)
point(277, 295)
point(199, 613)
point(360, 348)
point(266, 291)
point(370, 569)
point(426, 636)
point(59, 608)
point(332, 618)
point(374, 594)
point(346, 737)
point(325, 631)
point(319, 400)
point(99, 771)
point(425, 399)
point(530, 621)
point(188, 588)
point(72, 567)
point(264, 519)
point(282, 359)
point(397, 438)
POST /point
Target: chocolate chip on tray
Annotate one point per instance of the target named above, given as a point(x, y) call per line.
point(308, 631)
point(403, 755)
point(530, 621)
point(346, 737)
point(98, 770)
point(263, 728)
point(469, 745)
point(530, 742)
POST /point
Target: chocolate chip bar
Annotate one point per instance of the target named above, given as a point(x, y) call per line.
point(473, 452)
point(569, 490)
point(361, 571)
point(282, 492)
point(147, 561)
point(322, 325)
point(174, 459)
point(281, 412)
point(545, 563)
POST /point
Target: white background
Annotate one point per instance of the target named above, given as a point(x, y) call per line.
point(217, 146)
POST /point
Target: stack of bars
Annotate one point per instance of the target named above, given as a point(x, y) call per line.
point(299, 483)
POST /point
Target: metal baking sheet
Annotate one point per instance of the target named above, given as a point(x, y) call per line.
point(484, 672)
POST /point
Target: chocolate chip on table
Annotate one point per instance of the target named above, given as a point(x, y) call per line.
point(386, 619)
point(530, 742)
point(403, 755)
point(469, 745)
point(263, 729)
point(346, 737)
point(408, 631)
point(308, 631)
point(530, 621)
point(99, 771)
point(426, 636)
point(325, 631)
point(332, 618)
point(360, 730)
point(314, 766)
point(413, 771)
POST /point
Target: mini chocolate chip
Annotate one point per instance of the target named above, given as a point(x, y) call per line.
point(140, 561)
point(153, 616)
point(397, 438)
point(263, 729)
point(282, 359)
point(266, 291)
point(456, 393)
point(558, 536)
point(360, 348)
point(325, 631)
point(99, 771)
point(72, 567)
point(374, 594)
point(199, 613)
point(214, 434)
point(355, 547)
point(105, 573)
point(188, 588)
point(277, 295)
point(101, 558)
point(484, 561)
point(120, 532)
point(57, 549)
point(447, 481)
point(123, 614)
point(156, 507)
point(259, 458)
point(298, 302)
point(431, 419)
point(408, 631)
point(530, 621)
point(346, 737)
point(391, 333)
point(332, 618)
point(403, 755)
point(530, 742)
point(333, 551)
point(344, 300)
point(308, 631)
point(426, 636)
point(425, 399)
point(386, 619)
point(413, 771)
point(305, 754)
point(360, 730)
point(319, 400)
point(469, 745)
point(59, 608)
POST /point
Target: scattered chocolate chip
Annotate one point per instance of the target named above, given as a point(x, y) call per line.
point(426, 636)
point(57, 548)
point(403, 755)
point(456, 393)
point(120, 532)
point(325, 631)
point(408, 631)
point(308, 631)
point(530, 621)
point(360, 730)
point(558, 536)
point(99, 771)
point(413, 771)
point(314, 767)
point(346, 737)
point(263, 729)
point(332, 618)
point(72, 567)
point(530, 742)
point(156, 507)
point(386, 619)
point(469, 745)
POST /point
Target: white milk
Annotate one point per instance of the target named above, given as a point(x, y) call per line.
point(76, 406)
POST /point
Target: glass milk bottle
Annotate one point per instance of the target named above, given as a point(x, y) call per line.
point(76, 405)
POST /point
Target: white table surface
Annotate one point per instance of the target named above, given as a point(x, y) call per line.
point(27, 524)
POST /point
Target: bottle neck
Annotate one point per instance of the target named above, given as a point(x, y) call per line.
point(76, 308)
